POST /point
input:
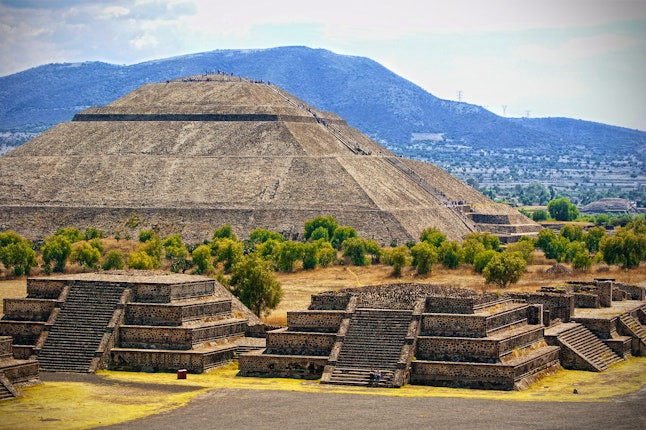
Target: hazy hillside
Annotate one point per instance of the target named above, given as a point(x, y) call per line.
point(468, 140)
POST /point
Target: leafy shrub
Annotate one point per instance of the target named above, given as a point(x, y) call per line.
point(113, 261)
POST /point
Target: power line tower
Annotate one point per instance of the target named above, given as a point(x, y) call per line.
point(504, 110)
point(459, 95)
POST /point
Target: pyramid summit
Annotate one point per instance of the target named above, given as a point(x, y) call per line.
point(189, 155)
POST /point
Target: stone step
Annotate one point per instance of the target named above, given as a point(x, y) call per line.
point(588, 347)
point(5, 394)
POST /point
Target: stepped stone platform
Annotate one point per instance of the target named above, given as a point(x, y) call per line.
point(14, 373)
point(596, 323)
point(128, 320)
point(422, 334)
point(277, 162)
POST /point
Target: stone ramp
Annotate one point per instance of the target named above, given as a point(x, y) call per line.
point(7, 391)
point(80, 326)
point(581, 349)
point(374, 341)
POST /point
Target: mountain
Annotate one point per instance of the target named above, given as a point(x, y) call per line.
point(468, 140)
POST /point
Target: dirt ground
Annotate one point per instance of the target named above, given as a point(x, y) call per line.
point(285, 410)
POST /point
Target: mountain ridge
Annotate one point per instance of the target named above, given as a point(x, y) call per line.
point(373, 99)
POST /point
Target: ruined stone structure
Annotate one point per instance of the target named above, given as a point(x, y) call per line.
point(433, 335)
point(596, 323)
point(127, 320)
point(191, 155)
point(14, 372)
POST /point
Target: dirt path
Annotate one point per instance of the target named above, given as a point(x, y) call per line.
point(233, 409)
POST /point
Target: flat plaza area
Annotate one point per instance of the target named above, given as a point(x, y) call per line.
point(614, 399)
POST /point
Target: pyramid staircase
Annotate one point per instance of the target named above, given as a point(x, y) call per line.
point(374, 341)
point(581, 349)
point(73, 341)
point(631, 326)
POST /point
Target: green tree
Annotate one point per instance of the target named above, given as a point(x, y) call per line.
point(254, 283)
point(320, 233)
point(326, 254)
point(146, 235)
point(545, 237)
point(202, 258)
point(16, 252)
point(71, 233)
point(572, 232)
point(85, 254)
point(227, 251)
point(310, 255)
point(593, 238)
point(470, 248)
point(262, 235)
point(92, 233)
point(139, 260)
point(449, 254)
point(525, 248)
point(153, 247)
point(327, 222)
point(433, 236)
point(582, 261)
point(490, 241)
point(342, 233)
point(56, 248)
point(113, 261)
point(355, 249)
point(483, 258)
point(504, 269)
point(224, 232)
point(398, 258)
point(287, 254)
point(174, 247)
point(562, 209)
point(539, 215)
point(424, 256)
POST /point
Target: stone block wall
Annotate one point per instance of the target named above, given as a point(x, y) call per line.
point(6, 350)
point(504, 319)
point(559, 305)
point(449, 305)
point(434, 324)
point(456, 349)
point(168, 314)
point(28, 309)
point(602, 328)
point(605, 293)
point(166, 293)
point(328, 301)
point(168, 361)
point(319, 321)
point(634, 292)
point(287, 342)
point(586, 300)
point(175, 338)
point(281, 366)
point(44, 288)
point(23, 332)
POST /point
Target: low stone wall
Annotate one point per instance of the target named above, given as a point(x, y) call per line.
point(559, 305)
point(585, 300)
point(434, 324)
point(329, 301)
point(175, 338)
point(5, 347)
point(457, 349)
point(170, 314)
point(287, 342)
point(23, 332)
point(21, 372)
point(256, 363)
point(28, 309)
point(635, 292)
point(621, 345)
point(449, 305)
point(315, 320)
point(602, 328)
point(168, 361)
point(166, 293)
point(504, 319)
point(44, 288)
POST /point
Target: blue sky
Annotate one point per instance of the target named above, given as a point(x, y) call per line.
point(576, 58)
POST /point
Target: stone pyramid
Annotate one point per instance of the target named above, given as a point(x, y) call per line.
point(190, 155)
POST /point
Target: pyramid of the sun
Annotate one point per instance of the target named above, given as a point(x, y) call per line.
point(191, 155)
